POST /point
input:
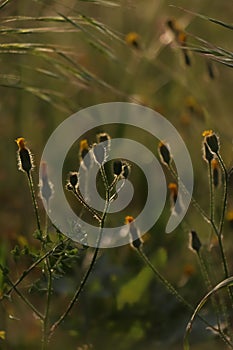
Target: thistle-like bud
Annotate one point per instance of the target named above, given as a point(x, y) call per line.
point(99, 153)
point(73, 181)
point(103, 137)
point(46, 187)
point(207, 154)
point(117, 167)
point(164, 154)
point(176, 205)
point(25, 160)
point(136, 240)
point(84, 154)
point(212, 140)
point(194, 242)
point(173, 192)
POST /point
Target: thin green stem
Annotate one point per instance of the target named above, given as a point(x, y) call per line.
point(174, 292)
point(30, 181)
point(24, 299)
point(209, 286)
point(85, 205)
point(221, 223)
point(193, 200)
point(225, 193)
point(46, 315)
point(211, 189)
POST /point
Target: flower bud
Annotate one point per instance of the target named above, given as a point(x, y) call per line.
point(117, 167)
point(84, 154)
point(103, 137)
point(136, 240)
point(195, 243)
point(164, 154)
point(25, 158)
point(73, 179)
point(212, 140)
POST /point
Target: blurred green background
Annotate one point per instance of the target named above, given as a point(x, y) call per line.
point(58, 57)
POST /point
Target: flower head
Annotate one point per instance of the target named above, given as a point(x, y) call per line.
point(136, 240)
point(84, 154)
point(211, 140)
point(194, 243)
point(133, 39)
point(164, 153)
point(25, 160)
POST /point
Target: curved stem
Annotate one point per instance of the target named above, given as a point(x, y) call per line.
point(179, 297)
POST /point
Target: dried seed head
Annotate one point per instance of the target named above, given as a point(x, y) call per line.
point(194, 243)
point(207, 154)
point(73, 180)
point(173, 191)
point(212, 140)
point(25, 160)
point(103, 137)
point(176, 204)
point(215, 170)
point(117, 167)
point(133, 39)
point(46, 187)
point(99, 153)
point(84, 154)
point(136, 240)
point(164, 154)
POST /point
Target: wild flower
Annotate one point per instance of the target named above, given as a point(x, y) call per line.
point(136, 240)
point(164, 153)
point(25, 160)
point(212, 140)
point(84, 154)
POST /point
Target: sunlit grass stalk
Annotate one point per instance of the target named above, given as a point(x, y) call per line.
point(177, 295)
point(34, 201)
point(45, 325)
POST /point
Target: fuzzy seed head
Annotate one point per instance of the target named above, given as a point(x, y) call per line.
point(25, 160)
point(117, 167)
point(195, 243)
point(164, 154)
point(211, 140)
